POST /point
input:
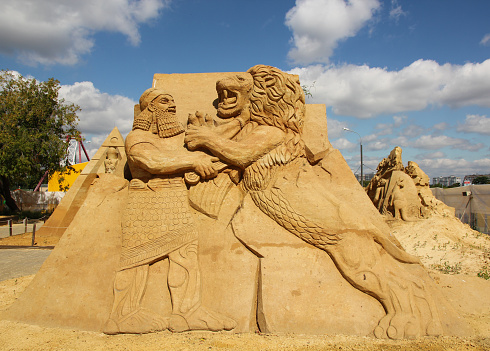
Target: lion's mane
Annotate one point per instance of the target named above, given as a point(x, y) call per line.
point(277, 99)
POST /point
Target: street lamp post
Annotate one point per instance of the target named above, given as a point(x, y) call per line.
point(360, 143)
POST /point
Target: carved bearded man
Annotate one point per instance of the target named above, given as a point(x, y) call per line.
point(157, 224)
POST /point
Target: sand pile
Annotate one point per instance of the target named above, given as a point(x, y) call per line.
point(446, 245)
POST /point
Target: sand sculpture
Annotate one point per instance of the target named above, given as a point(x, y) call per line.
point(158, 223)
point(403, 192)
point(240, 217)
point(112, 158)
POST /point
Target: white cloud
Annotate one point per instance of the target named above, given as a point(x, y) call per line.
point(441, 126)
point(370, 164)
point(465, 85)
point(412, 131)
point(434, 163)
point(399, 120)
point(335, 128)
point(396, 10)
point(94, 144)
point(486, 40)
point(370, 137)
point(100, 113)
point(475, 124)
point(384, 129)
point(344, 144)
point(431, 142)
point(366, 92)
point(400, 140)
point(377, 145)
point(461, 167)
point(432, 155)
point(318, 25)
point(388, 128)
point(53, 31)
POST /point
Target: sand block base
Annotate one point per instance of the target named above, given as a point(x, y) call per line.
point(299, 288)
point(73, 288)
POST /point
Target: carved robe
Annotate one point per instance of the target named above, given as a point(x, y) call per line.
point(157, 219)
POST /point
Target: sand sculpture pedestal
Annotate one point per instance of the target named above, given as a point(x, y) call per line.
point(283, 238)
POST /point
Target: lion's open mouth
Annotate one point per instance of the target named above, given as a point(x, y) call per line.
point(232, 93)
point(227, 99)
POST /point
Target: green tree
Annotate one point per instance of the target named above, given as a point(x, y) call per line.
point(481, 180)
point(34, 123)
point(307, 90)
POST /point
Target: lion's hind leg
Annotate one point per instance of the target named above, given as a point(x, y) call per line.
point(401, 288)
point(365, 258)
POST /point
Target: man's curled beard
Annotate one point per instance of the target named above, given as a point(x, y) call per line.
point(167, 124)
point(161, 122)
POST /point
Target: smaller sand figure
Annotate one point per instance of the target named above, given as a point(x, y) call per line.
point(399, 203)
point(403, 192)
point(111, 160)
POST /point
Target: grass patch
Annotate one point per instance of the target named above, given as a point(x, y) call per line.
point(447, 268)
point(484, 272)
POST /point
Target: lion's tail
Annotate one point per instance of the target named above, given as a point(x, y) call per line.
point(394, 250)
point(273, 203)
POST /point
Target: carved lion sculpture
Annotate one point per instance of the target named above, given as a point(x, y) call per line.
point(263, 139)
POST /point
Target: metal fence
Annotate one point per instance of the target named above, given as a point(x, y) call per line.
point(471, 202)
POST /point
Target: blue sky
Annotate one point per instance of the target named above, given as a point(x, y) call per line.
point(414, 74)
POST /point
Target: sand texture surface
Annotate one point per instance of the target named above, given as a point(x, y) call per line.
point(456, 256)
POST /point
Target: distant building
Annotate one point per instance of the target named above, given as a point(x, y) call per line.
point(446, 181)
point(367, 176)
point(468, 179)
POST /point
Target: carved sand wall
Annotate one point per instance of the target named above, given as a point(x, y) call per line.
point(239, 217)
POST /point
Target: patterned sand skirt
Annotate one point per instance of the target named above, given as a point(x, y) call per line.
point(157, 220)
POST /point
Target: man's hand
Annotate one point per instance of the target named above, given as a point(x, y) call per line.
point(196, 137)
point(204, 165)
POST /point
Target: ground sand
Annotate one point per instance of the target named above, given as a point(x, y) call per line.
point(444, 244)
point(454, 254)
point(44, 239)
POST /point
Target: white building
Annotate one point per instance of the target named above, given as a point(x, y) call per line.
point(446, 181)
